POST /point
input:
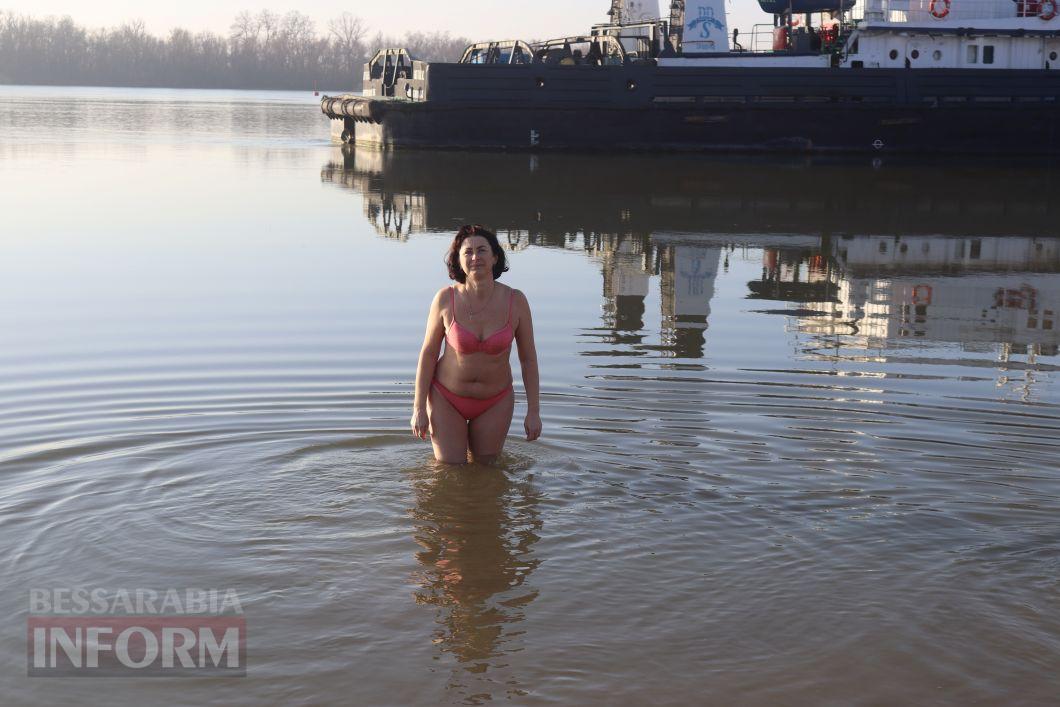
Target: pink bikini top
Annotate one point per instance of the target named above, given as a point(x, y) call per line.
point(464, 341)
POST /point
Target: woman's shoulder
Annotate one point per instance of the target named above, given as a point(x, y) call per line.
point(441, 298)
point(518, 299)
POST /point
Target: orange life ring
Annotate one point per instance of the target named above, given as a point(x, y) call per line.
point(939, 12)
point(1047, 9)
point(922, 294)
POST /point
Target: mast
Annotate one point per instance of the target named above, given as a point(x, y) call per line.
point(677, 23)
point(617, 8)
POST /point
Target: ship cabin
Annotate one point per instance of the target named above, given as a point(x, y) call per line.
point(940, 34)
point(888, 34)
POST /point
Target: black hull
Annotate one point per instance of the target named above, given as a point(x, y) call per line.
point(911, 130)
point(748, 110)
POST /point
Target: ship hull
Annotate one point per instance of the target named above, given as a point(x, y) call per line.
point(822, 110)
point(869, 130)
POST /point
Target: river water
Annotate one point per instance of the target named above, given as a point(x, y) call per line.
point(800, 416)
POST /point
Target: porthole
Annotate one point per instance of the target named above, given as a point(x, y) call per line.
point(631, 85)
point(540, 82)
point(936, 55)
point(1052, 56)
point(915, 53)
point(894, 54)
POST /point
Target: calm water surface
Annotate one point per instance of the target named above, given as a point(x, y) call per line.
point(800, 418)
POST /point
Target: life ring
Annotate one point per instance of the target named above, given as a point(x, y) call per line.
point(941, 8)
point(1047, 10)
point(922, 294)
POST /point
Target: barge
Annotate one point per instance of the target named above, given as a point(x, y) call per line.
point(885, 76)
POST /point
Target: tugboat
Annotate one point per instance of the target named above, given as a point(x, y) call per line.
point(885, 76)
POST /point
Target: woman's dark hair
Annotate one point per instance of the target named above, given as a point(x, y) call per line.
point(452, 257)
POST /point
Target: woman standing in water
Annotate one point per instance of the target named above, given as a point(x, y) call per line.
point(465, 399)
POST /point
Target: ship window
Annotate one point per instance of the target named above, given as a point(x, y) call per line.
point(915, 53)
point(988, 54)
point(973, 53)
point(977, 249)
point(936, 55)
point(1052, 56)
point(893, 54)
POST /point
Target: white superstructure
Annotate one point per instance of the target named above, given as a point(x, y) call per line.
point(956, 34)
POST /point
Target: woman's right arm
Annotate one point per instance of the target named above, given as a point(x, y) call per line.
point(432, 344)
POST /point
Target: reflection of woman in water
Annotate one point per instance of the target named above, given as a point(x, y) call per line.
point(465, 399)
point(476, 533)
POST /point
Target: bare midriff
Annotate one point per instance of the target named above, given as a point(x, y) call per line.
point(474, 375)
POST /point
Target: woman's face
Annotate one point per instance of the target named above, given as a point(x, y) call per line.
point(476, 257)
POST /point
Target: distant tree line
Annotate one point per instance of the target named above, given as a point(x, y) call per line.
point(262, 50)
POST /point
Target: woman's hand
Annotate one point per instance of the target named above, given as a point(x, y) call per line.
point(532, 425)
point(421, 426)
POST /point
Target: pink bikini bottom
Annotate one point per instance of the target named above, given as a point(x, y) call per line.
point(470, 408)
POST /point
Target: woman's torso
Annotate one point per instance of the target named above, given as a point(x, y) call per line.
point(476, 373)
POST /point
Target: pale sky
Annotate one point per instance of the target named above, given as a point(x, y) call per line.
point(476, 19)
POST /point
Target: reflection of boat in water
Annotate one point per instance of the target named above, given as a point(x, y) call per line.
point(876, 257)
point(998, 295)
point(971, 291)
point(549, 196)
point(891, 298)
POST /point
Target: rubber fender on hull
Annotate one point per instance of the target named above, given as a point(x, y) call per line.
point(365, 110)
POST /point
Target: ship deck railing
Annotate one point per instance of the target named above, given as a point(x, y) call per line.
point(762, 40)
point(923, 11)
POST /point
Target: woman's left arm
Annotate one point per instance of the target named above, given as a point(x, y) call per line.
point(524, 339)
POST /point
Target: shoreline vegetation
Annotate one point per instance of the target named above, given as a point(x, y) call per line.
point(263, 50)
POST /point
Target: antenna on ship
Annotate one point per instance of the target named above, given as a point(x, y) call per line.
point(677, 23)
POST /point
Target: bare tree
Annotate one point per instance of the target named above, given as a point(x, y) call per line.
point(268, 26)
point(347, 34)
point(244, 29)
point(348, 30)
point(262, 50)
